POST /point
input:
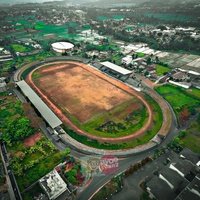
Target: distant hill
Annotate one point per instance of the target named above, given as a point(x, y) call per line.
point(171, 2)
point(97, 2)
point(105, 2)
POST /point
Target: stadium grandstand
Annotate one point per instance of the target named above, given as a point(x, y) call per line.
point(52, 120)
point(115, 70)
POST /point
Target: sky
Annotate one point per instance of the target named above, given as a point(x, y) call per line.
point(20, 1)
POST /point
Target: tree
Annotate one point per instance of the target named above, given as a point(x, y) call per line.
point(149, 61)
point(67, 151)
point(16, 129)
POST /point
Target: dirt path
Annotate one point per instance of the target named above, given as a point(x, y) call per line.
point(117, 83)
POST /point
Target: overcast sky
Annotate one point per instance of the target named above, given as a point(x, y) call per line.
point(17, 1)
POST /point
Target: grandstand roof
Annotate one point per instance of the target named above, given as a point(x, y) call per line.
point(116, 68)
point(44, 110)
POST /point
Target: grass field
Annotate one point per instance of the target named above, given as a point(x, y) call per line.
point(179, 97)
point(192, 138)
point(161, 70)
point(20, 48)
point(194, 92)
point(93, 104)
point(141, 55)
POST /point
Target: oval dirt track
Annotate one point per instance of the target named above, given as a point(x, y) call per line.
point(114, 82)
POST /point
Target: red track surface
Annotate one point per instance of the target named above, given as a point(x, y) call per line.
point(117, 83)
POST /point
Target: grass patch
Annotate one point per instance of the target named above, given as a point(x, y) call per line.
point(140, 55)
point(20, 48)
point(191, 138)
point(35, 75)
point(179, 98)
point(161, 70)
point(194, 92)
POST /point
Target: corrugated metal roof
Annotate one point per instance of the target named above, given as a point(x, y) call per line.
point(116, 68)
point(44, 110)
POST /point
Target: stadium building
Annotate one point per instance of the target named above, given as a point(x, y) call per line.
point(62, 47)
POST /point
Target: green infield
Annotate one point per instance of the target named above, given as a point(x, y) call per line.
point(122, 120)
point(157, 123)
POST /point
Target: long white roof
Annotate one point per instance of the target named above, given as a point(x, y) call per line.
point(62, 45)
point(44, 110)
point(116, 68)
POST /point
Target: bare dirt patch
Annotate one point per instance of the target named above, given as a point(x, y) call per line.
point(78, 91)
point(31, 140)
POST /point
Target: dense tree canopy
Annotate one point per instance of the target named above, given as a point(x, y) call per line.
point(16, 129)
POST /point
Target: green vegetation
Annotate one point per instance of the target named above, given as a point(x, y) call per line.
point(141, 55)
point(157, 123)
point(185, 103)
point(162, 70)
point(102, 18)
point(169, 16)
point(16, 129)
point(180, 98)
point(112, 187)
point(116, 58)
point(13, 124)
point(123, 121)
point(35, 191)
point(35, 75)
point(50, 28)
point(194, 92)
point(118, 17)
point(31, 163)
point(20, 48)
point(2, 175)
point(71, 175)
point(28, 163)
point(190, 137)
point(104, 47)
point(10, 66)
